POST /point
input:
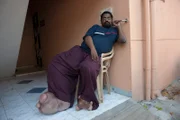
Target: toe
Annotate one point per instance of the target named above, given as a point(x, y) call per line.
point(38, 105)
point(43, 98)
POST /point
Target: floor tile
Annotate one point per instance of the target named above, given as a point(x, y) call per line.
point(1, 110)
point(90, 115)
point(36, 90)
point(19, 111)
point(13, 81)
point(22, 88)
point(5, 87)
point(16, 106)
point(58, 116)
point(11, 92)
point(69, 117)
point(3, 117)
point(39, 83)
point(23, 115)
point(24, 82)
point(2, 114)
point(28, 97)
point(31, 99)
point(0, 103)
point(83, 113)
point(12, 102)
point(4, 83)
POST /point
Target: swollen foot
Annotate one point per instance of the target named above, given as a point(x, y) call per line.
point(49, 104)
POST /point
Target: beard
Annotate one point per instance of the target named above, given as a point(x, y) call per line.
point(107, 24)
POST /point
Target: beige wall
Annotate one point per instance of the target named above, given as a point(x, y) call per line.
point(167, 41)
point(27, 55)
point(137, 46)
point(65, 28)
point(120, 71)
point(12, 13)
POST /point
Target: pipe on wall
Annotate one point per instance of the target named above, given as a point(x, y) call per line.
point(153, 6)
point(152, 90)
point(147, 49)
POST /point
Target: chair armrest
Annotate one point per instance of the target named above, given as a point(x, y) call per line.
point(107, 54)
point(107, 58)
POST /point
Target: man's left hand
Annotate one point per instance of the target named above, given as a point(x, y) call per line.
point(116, 23)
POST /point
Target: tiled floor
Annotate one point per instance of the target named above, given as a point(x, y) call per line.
point(17, 104)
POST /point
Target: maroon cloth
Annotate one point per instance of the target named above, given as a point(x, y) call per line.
point(63, 73)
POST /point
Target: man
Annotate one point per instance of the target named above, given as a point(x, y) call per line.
point(80, 62)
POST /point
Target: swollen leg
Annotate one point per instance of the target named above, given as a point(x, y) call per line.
point(49, 104)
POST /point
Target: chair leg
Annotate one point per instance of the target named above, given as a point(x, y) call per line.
point(108, 83)
point(101, 85)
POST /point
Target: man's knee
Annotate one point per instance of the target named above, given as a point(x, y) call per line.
point(91, 68)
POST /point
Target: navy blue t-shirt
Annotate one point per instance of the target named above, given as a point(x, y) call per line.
point(103, 38)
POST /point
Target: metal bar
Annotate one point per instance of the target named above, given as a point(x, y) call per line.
point(124, 20)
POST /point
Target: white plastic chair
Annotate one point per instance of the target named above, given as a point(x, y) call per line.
point(105, 64)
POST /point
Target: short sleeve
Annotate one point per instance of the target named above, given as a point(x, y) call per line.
point(91, 31)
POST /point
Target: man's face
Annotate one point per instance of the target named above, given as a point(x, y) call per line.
point(106, 20)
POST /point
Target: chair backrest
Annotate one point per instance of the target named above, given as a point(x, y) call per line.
point(106, 57)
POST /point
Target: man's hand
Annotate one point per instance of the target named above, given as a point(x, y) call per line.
point(116, 23)
point(94, 54)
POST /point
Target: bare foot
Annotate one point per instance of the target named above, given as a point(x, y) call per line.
point(49, 104)
point(82, 104)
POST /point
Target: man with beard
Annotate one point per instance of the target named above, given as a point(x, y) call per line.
point(80, 62)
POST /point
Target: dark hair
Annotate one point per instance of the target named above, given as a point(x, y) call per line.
point(106, 12)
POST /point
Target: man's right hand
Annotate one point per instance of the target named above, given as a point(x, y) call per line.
point(94, 54)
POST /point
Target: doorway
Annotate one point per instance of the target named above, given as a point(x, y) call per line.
point(30, 54)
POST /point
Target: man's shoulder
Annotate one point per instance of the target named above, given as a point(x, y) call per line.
point(114, 28)
point(96, 26)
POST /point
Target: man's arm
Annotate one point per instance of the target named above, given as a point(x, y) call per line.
point(89, 42)
point(121, 38)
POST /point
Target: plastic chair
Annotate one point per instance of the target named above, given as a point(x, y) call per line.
point(105, 64)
